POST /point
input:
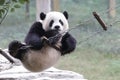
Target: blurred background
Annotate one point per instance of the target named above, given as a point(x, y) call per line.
point(97, 55)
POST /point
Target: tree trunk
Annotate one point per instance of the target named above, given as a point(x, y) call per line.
point(42, 6)
point(27, 13)
point(112, 10)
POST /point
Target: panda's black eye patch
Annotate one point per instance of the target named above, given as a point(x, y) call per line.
point(51, 23)
point(61, 22)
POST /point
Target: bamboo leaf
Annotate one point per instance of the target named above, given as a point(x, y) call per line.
point(17, 6)
point(22, 1)
point(0, 14)
point(14, 0)
point(2, 11)
point(12, 9)
point(2, 2)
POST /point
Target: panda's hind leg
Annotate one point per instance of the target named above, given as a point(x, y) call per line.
point(14, 47)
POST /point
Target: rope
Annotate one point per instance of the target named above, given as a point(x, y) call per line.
point(98, 32)
point(87, 38)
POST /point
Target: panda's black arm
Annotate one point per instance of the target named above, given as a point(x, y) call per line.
point(68, 44)
point(34, 35)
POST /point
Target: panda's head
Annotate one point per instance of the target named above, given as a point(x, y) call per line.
point(55, 21)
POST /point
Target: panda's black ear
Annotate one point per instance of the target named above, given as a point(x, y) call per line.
point(66, 14)
point(42, 16)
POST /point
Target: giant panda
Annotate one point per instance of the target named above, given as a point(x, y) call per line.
point(46, 41)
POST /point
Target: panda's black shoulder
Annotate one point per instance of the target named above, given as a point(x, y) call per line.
point(68, 44)
point(34, 35)
point(36, 28)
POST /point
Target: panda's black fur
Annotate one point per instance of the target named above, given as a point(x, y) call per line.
point(35, 41)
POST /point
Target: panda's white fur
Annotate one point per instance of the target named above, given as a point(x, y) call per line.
point(55, 16)
point(40, 60)
point(47, 56)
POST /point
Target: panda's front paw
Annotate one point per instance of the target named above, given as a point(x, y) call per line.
point(53, 40)
point(51, 33)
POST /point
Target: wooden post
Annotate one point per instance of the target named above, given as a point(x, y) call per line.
point(55, 5)
point(42, 6)
point(112, 11)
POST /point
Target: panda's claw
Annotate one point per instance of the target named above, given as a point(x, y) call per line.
point(44, 38)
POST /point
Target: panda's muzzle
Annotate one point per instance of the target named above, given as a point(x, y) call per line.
point(57, 28)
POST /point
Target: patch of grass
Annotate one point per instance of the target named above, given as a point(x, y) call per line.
point(92, 64)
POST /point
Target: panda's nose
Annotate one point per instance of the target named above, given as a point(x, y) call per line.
point(57, 27)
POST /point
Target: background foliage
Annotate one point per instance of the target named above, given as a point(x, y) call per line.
point(6, 5)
